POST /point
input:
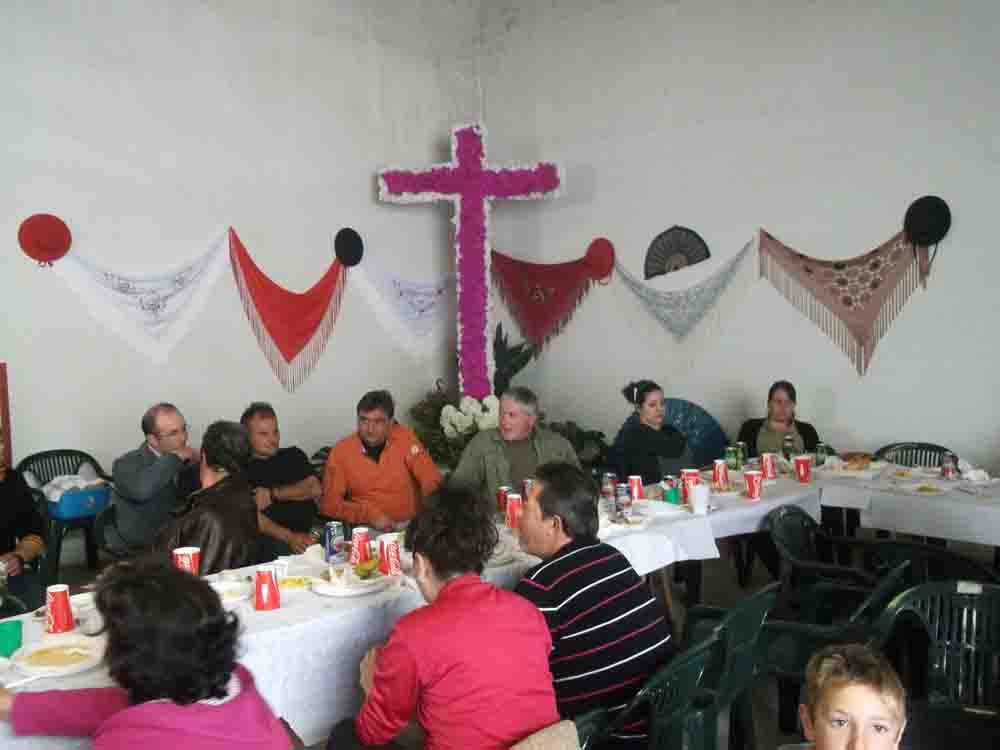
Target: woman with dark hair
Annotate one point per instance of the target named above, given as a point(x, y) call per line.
point(221, 518)
point(646, 445)
point(171, 650)
point(473, 665)
point(767, 435)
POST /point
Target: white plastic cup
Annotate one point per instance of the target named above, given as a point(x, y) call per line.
point(699, 495)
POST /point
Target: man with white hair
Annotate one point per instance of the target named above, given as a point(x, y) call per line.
point(511, 452)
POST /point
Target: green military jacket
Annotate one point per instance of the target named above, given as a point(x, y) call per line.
point(484, 464)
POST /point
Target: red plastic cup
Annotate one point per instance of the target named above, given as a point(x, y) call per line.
point(59, 616)
point(502, 493)
point(514, 507)
point(720, 475)
point(388, 555)
point(769, 465)
point(188, 558)
point(360, 541)
point(802, 468)
point(635, 487)
point(267, 594)
point(755, 483)
point(689, 478)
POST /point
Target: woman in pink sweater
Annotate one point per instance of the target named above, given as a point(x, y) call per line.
point(172, 651)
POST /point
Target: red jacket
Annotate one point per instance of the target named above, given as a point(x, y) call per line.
point(473, 665)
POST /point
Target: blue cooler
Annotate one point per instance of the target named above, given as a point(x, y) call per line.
point(82, 503)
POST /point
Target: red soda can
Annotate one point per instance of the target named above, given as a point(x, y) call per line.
point(267, 595)
point(59, 614)
point(502, 492)
point(949, 466)
point(635, 487)
point(720, 475)
point(527, 486)
point(769, 465)
point(689, 478)
point(188, 558)
point(802, 468)
point(360, 541)
point(514, 505)
point(755, 483)
point(388, 560)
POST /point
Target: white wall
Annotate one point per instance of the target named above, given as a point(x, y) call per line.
point(818, 121)
point(149, 127)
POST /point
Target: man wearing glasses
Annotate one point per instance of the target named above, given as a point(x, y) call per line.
point(150, 480)
point(377, 476)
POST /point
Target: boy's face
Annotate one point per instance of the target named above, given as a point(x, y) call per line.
point(853, 717)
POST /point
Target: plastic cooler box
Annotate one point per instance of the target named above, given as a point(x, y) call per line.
point(80, 503)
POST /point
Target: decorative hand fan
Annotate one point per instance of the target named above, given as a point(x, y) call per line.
point(674, 249)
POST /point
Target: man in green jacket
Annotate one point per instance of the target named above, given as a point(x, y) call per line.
point(510, 453)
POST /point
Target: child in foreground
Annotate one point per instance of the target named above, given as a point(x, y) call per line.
point(854, 699)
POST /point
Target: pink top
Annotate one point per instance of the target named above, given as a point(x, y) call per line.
point(244, 721)
point(473, 666)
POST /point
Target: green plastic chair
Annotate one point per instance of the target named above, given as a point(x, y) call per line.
point(592, 727)
point(961, 653)
point(726, 686)
point(928, 562)
point(670, 698)
point(10, 605)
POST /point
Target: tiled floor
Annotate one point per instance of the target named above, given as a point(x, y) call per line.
point(719, 588)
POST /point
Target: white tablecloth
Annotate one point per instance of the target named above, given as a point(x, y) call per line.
point(305, 656)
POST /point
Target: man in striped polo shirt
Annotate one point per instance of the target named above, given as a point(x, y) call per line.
point(609, 634)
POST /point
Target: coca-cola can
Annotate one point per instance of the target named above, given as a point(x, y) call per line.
point(720, 475)
point(360, 539)
point(267, 594)
point(608, 483)
point(514, 506)
point(526, 485)
point(388, 559)
point(689, 478)
point(502, 492)
point(949, 466)
point(769, 465)
point(188, 558)
point(59, 614)
point(623, 500)
point(754, 483)
point(635, 487)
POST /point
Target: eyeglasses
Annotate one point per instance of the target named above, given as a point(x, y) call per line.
point(172, 434)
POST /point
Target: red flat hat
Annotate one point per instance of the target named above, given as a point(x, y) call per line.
point(44, 237)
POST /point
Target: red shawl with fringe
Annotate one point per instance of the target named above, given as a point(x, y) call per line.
point(292, 328)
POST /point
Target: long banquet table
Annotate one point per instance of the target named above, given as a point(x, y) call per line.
point(305, 656)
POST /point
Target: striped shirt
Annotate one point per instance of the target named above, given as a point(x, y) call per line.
point(609, 634)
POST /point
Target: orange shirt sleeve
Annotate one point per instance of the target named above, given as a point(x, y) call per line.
point(422, 467)
point(333, 504)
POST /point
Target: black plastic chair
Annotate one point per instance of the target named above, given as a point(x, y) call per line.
point(46, 466)
point(914, 454)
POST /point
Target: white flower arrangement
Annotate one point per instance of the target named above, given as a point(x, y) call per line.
point(471, 416)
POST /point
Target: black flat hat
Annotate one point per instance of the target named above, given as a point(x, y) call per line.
point(927, 221)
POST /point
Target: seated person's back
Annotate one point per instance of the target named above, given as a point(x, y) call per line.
point(473, 664)
point(609, 633)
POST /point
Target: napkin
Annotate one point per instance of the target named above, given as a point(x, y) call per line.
point(973, 475)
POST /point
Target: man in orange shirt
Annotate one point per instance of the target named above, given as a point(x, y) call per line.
point(378, 475)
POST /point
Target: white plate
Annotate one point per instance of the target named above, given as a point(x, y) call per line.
point(366, 586)
point(231, 592)
point(94, 647)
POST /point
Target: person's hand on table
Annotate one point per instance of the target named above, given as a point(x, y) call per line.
point(12, 563)
point(263, 497)
point(298, 541)
point(368, 669)
point(6, 703)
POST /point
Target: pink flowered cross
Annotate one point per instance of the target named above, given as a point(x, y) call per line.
point(468, 182)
